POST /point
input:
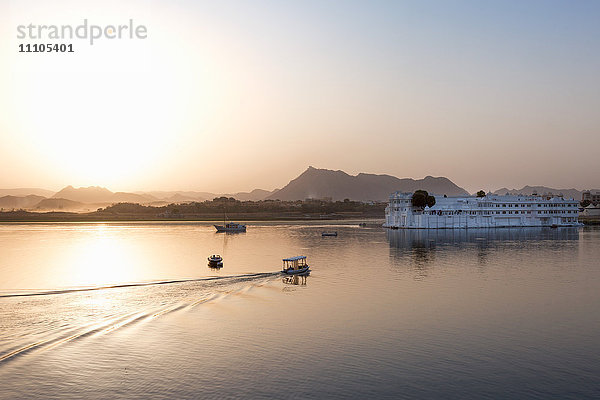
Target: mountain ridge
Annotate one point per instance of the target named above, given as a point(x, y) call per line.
point(311, 183)
point(98, 194)
point(339, 185)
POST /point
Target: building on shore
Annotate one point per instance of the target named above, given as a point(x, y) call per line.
point(592, 196)
point(591, 211)
point(490, 211)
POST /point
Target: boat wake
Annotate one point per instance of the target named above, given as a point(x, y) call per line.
point(127, 285)
point(37, 321)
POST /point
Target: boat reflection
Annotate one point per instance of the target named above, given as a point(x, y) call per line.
point(297, 280)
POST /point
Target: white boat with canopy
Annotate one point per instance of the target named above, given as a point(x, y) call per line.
point(295, 265)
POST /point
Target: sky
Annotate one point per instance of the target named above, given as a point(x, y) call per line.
point(229, 96)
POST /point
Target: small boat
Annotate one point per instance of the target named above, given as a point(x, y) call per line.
point(329, 233)
point(295, 265)
point(231, 227)
point(215, 261)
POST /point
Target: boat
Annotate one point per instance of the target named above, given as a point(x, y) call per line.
point(329, 233)
point(231, 227)
point(295, 265)
point(215, 261)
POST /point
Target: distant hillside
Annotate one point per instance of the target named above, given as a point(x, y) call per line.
point(98, 195)
point(92, 194)
point(17, 202)
point(22, 192)
point(255, 195)
point(528, 190)
point(54, 204)
point(188, 196)
point(123, 197)
point(320, 183)
point(179, 196)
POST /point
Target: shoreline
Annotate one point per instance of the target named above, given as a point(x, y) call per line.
point(101, 217)
point(97, 218)
point(595, 220)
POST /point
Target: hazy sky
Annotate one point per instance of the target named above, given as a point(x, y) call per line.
point(235, 95)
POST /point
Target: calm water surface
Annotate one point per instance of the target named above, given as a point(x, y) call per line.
point(133, 311)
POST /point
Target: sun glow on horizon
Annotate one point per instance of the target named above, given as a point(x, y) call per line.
point(113, 114)
point(234, 96)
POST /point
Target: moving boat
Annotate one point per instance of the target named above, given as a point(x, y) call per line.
point(329, 233)
point(295, 265)
point(215, 261)
point(231, 227)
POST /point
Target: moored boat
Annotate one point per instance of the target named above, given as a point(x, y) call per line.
point(231, 227)
point(295, 265)
point(215, 261)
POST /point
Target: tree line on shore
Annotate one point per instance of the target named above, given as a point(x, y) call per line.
point(230, 205)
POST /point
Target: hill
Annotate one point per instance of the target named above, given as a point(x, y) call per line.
point(17, 202)
point(22, 192)
point(188, 196)
point(54, 204)
point(124, 197)
point(179, 196)
point(322, 183)
point(100, 195)
point(255, 195)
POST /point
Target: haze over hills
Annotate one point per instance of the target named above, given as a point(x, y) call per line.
point(322, 183)
point(97, 194)
point(57, 204)
point(255, 195)
point(16, 202)
point(313, 183)
point(178, 195)
point(93, 197)
point(21, 192)
point(186, 195)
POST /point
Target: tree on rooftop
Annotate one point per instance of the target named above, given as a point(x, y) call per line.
point(421, 198)
point(481, 193)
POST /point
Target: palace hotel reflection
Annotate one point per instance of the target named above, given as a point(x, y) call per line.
point(422, 248)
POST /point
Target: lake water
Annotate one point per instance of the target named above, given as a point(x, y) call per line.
point(133, 311)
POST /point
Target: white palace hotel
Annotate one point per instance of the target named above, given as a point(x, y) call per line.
point(491, 211)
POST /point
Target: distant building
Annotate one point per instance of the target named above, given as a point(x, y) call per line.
point(592, 196)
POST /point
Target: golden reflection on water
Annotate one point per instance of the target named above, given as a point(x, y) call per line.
point(67, 256)
point(38, 257)
point(103, 259)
